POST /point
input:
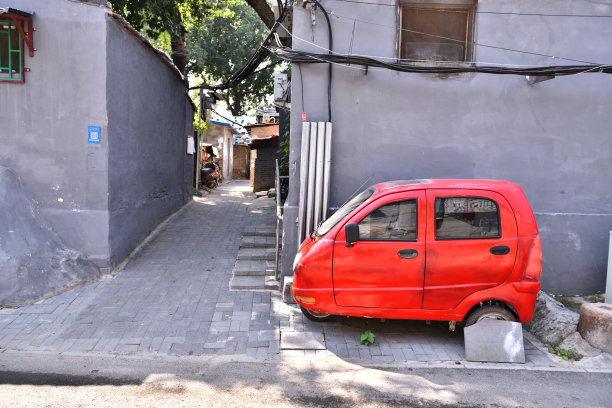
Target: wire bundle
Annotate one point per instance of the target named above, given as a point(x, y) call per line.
point(555, 70)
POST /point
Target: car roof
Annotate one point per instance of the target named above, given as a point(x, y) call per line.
point(504, 187)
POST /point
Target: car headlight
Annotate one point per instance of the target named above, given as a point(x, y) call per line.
point(296, 260)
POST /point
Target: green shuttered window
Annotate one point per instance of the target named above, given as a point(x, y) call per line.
point(11, 52)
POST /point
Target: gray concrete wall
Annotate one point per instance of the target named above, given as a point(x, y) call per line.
point(43, 123)
point(553, 138)
point(150, 174)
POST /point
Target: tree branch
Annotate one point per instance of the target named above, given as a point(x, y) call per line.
point(263, 10)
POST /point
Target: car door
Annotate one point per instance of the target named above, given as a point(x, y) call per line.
point(471, 244)
point(385, 268)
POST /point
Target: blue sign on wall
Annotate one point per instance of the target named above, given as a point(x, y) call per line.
point(93, 133)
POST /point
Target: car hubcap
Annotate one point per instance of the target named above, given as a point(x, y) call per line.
point(318, 315)
point(496, 316)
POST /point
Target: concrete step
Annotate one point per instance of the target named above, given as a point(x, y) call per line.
point(257, 242)
point(253, 268)
point(260, 231)
point(256, 254)
point(254, 283)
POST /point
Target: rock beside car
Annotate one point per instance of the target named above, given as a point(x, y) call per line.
point(552, 322)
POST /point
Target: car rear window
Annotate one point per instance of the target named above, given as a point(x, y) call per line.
point(466, 218)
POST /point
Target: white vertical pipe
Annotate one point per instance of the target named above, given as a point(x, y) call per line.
point(326, 172)
point(303, 176)
point(319, 173)
point(609, 277)
point(311, 177)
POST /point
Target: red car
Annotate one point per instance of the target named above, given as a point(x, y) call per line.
point(451, 250)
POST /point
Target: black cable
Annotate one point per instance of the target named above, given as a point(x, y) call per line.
point(555, 70)
point(331, 47)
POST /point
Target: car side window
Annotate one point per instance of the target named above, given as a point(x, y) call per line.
point(466, 218)
point(395, 221)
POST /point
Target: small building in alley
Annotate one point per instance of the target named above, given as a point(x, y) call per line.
point(264, 147)
point(94, 122)
point(221, 136)
point(409, 98)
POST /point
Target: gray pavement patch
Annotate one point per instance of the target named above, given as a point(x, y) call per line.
point(302, 341)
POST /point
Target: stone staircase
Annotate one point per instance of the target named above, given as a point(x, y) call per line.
point(254, 268)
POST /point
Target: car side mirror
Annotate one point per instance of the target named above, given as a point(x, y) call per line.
point(351, 233)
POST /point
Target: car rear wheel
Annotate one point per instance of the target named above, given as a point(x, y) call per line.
point(316, 316)
point(490, 312)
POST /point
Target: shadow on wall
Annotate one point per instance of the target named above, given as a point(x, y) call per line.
point(33, 261)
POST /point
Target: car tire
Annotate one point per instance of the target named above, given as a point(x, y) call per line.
point(492, 312)
point(316, 316)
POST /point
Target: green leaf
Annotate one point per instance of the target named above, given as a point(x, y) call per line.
point(565, 357)
point(367, 338)
point(552, 350)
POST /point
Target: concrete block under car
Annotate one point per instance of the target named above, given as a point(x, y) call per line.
point(495, 341)
point(595, 325)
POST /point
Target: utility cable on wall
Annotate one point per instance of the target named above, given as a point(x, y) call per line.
point(557, 70)
point(295, 37)
point(331, 47)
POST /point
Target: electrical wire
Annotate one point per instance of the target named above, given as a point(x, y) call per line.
point(557, 70)
point(465, 41)
point(408, 59)
point(229, 120)
point(331, 47)
point(484, 12)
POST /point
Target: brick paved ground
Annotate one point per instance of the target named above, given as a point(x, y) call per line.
point(173, 298)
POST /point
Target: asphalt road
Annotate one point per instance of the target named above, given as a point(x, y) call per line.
point(84, 381)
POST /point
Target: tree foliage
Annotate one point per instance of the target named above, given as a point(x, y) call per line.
point(221, 45)
point(154, 18)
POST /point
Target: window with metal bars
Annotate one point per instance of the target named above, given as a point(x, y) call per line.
point(11, 52)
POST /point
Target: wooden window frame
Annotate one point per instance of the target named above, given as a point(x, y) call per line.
point(469, 5)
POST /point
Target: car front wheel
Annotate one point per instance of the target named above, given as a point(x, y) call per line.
point(316, 316)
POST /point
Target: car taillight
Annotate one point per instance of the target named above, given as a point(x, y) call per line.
point(533, 267)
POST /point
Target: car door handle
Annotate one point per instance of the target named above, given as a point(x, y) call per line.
point(408, 253)
point(500, 250)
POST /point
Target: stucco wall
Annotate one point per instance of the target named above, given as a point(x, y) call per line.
point(552, 138)
point(150, 174)
point(43, 123)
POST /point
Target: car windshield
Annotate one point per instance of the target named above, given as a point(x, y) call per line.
point(343, 211)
